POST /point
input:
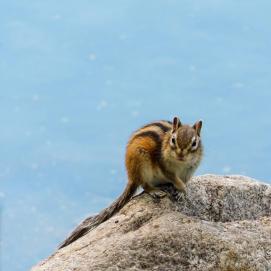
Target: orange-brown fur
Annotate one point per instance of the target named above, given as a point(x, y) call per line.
point(160, 152)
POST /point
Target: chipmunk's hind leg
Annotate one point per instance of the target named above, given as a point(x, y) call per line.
point(154, 192)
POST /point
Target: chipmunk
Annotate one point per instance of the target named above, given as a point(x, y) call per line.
point(158, 153)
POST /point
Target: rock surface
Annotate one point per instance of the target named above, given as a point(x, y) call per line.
point(223, 223)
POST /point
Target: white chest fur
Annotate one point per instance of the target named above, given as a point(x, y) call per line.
point(181, 169)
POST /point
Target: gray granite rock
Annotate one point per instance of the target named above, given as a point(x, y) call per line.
point(227, 198)
point(223, 223)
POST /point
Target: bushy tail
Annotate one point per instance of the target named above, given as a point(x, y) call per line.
point(92, 222)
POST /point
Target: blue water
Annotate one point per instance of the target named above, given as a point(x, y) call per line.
point(76, 78)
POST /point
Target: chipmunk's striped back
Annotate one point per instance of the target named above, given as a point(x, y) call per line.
point(144, 152)
point(149, 138)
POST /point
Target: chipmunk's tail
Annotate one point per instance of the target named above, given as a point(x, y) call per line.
point(92, 222)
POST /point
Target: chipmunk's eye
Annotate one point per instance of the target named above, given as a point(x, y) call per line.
point(173, 142)
point(194, 144)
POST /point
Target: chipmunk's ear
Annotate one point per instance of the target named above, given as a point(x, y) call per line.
point(176, 124)
point(197, 126)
